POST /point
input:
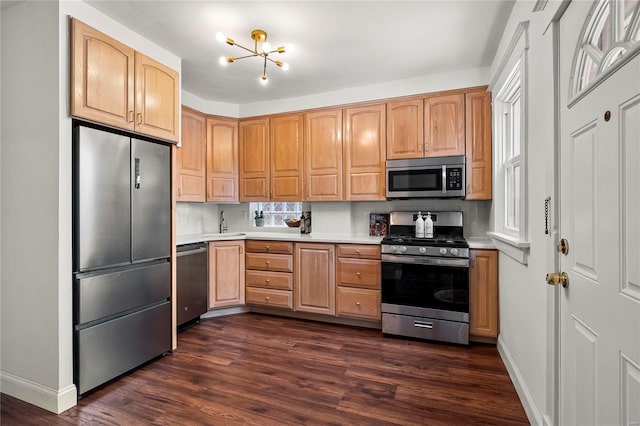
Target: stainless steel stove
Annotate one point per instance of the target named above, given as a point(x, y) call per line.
point(425, 281)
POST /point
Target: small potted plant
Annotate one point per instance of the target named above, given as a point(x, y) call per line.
point(259, 218)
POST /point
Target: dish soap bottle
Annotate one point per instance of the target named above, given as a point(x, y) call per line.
point(419, 226)
point(428, 226)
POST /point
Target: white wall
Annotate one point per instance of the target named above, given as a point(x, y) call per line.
point(525, 299)
point(35, 166)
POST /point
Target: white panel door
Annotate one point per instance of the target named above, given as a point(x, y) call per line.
point(600, 217)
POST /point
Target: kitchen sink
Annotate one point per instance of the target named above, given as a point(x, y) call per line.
point(224, 235)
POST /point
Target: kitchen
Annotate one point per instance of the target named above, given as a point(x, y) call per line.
point(522, 328)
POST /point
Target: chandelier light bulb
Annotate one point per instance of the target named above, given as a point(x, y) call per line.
point(221, 37)
point(290, 48)
point(266, 47)
point(223, 60)
point(285, 66)
point(263, 79)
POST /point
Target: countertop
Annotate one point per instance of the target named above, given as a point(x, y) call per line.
point(474, 242)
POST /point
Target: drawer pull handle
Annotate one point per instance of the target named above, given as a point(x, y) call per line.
point(266, 298)
point(266, 247)
point(358, 274)
point(267, 281)
point(267, 263)
point(421, 324)
point(358, 303)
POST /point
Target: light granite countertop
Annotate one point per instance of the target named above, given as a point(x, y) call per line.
point(474, 242)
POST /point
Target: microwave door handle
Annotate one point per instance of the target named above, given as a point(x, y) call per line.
point(444, 179)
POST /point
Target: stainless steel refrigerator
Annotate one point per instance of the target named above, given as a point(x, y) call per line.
point(122, 246)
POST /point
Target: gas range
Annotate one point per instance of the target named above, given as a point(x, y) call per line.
point(448, 240)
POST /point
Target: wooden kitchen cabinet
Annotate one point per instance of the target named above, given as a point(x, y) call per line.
point(226, 274)
point(364, 153)
point(286, 157)
point(478, 145)
point(254, 160)
point(190, 157)
point(115, 85)
point(315, 278)
point(358, 272)
point(405, 129)
point(483, 295)
point(444, 125)
point(269, 273)
point(323, 155)
point(222, 159)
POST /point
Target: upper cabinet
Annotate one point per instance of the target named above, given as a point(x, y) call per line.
point(190, 157)
point(444, 125)
point(478, 142)
point(222, 159)
point(323, 155)
point(405, 129)
point(364, 152)
point(286, 147)
point(114, 85)
point(254, 160)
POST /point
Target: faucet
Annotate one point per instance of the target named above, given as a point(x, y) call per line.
point(222, 224)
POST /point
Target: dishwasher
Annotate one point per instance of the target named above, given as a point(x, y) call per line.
point(192, 281)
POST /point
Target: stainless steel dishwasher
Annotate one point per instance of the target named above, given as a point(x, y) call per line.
point(192, 281)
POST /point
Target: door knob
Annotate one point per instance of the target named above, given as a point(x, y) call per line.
point(555, 278)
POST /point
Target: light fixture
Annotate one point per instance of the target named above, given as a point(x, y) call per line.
point(264, 50)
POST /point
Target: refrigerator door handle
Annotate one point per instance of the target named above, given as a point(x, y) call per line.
point(137, 171)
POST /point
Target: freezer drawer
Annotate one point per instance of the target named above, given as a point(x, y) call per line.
point(102, 295)
point(112, 348)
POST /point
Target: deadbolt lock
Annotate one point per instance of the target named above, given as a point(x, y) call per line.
point(563, 246)
point(555, 278)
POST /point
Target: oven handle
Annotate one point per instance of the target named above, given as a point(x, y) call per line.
point(425, 260)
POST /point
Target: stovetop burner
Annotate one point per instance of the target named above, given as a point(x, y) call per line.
point(436, 241)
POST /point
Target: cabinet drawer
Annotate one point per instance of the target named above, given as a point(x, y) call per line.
point(358, 303)
point(269, 262)
point(268, 297)
point(277, 280)
point(359, 273)
point(282, 247)
point(359, 251)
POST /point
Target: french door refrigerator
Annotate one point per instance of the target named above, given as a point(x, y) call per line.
point(122, 246)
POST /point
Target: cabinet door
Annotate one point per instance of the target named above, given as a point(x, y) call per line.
point(364, 152)
point(190, 157)
point(405, 129)
point(226, 273)
point(222, 159)
point(478, 136)
point(102, 75)
point(157, 98)
point(286, 145)
point(483, 293)
point(444, 125)
point(315, 278)
point(323, 155)
point(254, 160)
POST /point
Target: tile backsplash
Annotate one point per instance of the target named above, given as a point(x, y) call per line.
point(329, 217)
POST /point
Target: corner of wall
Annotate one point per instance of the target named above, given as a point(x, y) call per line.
point(54, 400)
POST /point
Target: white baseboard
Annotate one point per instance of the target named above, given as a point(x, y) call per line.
point(533, 414)
point(54, 400)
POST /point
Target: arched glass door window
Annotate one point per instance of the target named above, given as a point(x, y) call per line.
point(612, 31)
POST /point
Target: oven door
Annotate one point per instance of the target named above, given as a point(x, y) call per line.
point(415, 182)
point(430, 287)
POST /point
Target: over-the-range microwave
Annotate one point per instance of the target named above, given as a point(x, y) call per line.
point(434, 177)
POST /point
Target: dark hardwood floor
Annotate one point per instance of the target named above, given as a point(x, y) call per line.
point(265, 370)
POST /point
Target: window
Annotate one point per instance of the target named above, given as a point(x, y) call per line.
point(511, 160)
point(612, 31)
point(275, 213)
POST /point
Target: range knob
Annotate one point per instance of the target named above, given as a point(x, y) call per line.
point(443, 250)
point(393, 249)
point(454, 251)
point(423, 250)
point(403, 249)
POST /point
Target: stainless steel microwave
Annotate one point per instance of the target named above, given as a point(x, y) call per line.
point(434, 177)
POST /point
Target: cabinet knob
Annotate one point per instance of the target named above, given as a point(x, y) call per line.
point(358, 303)
point(267, 281)
point(266, 247)
point(267, 263)
point(358, 274)
point(266, 298)
point(358, 252)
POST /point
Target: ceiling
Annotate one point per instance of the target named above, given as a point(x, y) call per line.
point(338, 44)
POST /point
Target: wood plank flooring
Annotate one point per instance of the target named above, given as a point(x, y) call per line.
point(265, 370)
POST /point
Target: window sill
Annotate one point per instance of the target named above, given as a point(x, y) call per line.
point(513, 247)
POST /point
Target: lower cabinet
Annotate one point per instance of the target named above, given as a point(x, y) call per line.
point(483, 295)
point(269, 274)
point(226, 273)
point(315, 278)
point(359, 274)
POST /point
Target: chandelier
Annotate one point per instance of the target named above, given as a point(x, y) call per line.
point(263, 51)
